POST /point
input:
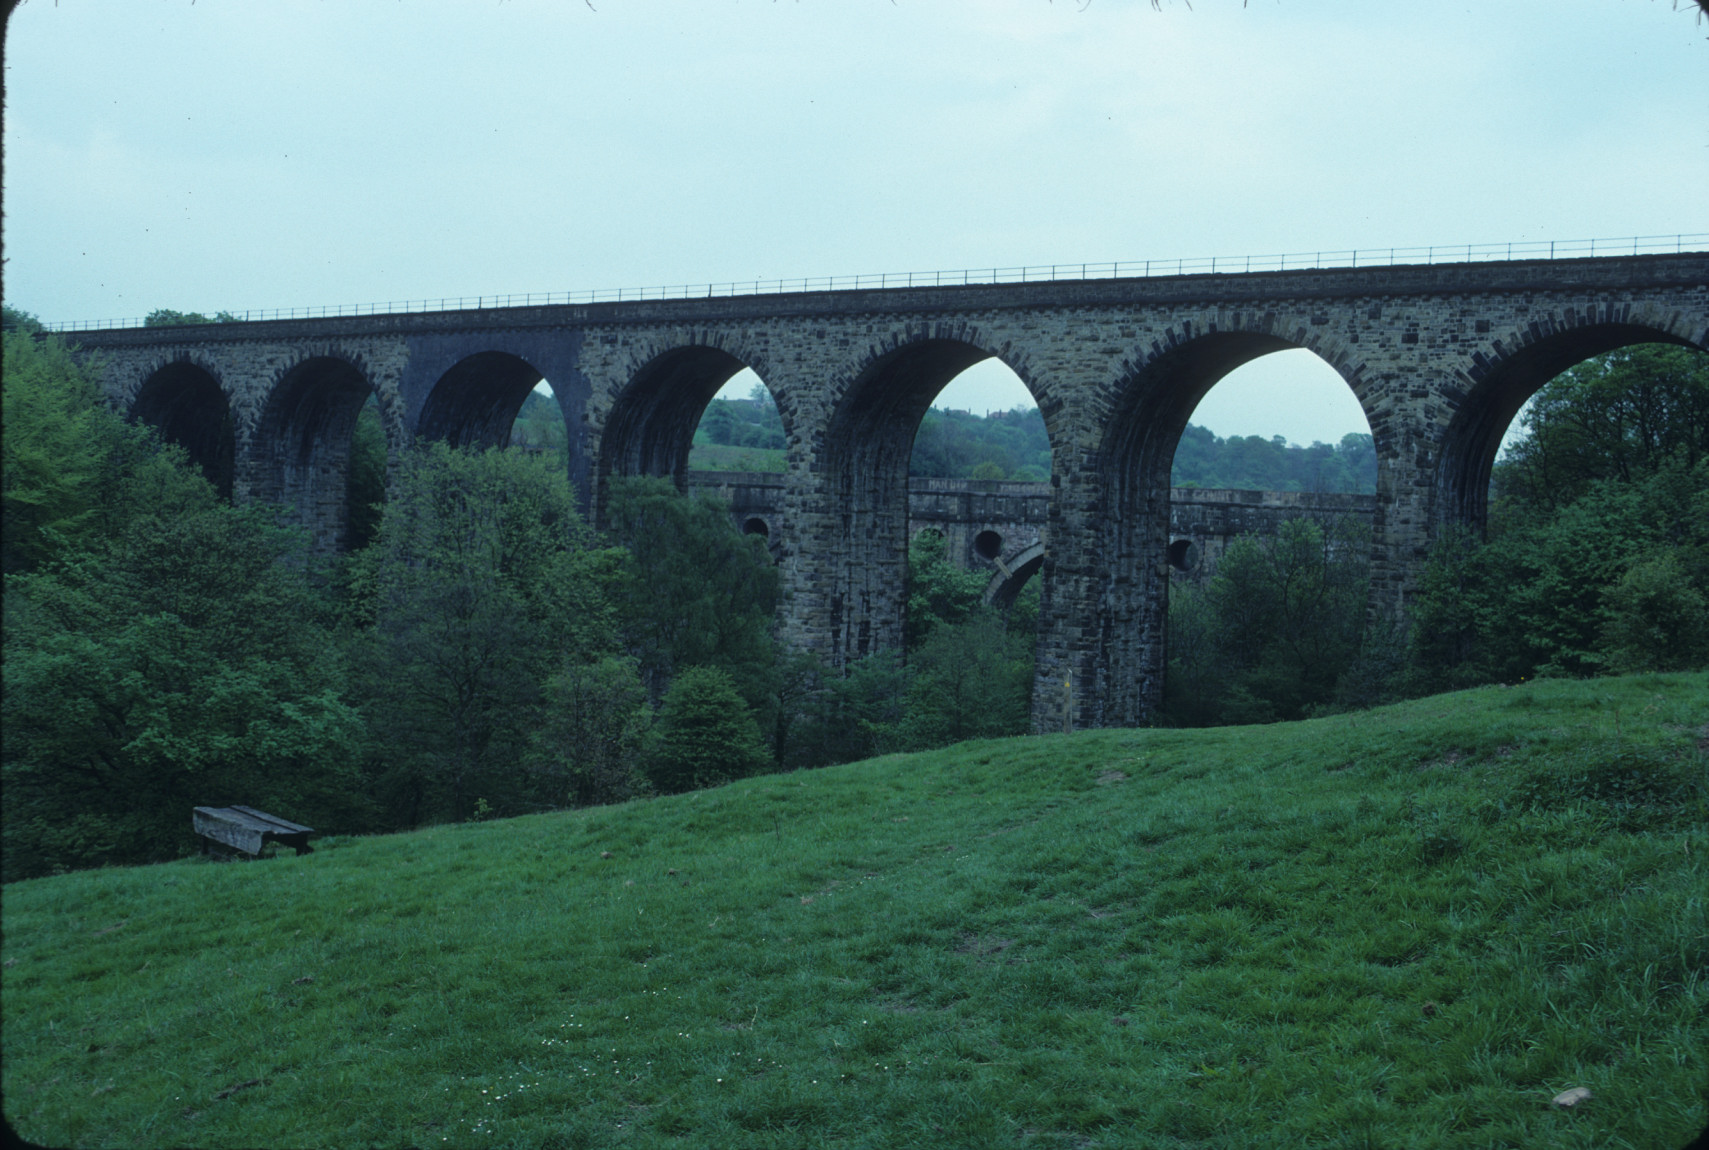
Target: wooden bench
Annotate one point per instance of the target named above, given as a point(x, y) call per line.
point(248, 830)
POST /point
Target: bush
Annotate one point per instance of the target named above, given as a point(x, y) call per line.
point(1657, 621)
point(592, 732)
point(1272, 634)
point(705, 734)
point(968, 681)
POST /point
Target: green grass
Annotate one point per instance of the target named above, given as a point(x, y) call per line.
point(1409, 927)
point(721, 457)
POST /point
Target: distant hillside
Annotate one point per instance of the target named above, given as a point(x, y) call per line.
point(747, 435)
point(1413, 926)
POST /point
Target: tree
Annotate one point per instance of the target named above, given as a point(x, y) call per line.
point(483, 583)
point(939, 592)
point(706, 735)
point(590, 738)
point(1598, 546)
point(972, 680)
point(1621, 416)
point(73, 470)
point(1656, 619)
point(695, 591)
point(365, 490)
point(13, 319)
point(185, 662)
point(1270, 634)
point(166, 317)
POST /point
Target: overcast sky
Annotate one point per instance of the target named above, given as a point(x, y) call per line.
point(250, 153)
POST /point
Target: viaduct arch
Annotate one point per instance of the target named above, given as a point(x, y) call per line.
point(1439, 356)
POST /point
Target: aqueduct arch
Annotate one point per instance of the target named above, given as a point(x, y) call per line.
point(864, 456)
point(475, 403)
point(1153, 402)
point(1503, 377)
point(650, 426)
point(300, 453)
point(185, 403)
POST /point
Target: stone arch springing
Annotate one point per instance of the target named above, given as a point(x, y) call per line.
point(1508, 371)
point(650, 426)
point(301, 451)
point(475, 403)
point(184, 401)
point(1154, 398)
point(864, 455)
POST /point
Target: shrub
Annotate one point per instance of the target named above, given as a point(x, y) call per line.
point(705, 734)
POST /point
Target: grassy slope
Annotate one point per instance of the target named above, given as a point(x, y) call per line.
point(1369, 930)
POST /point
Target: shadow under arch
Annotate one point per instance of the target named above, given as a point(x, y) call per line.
point(186, 404)
point(303, 445)
point(868, 442)
point(651, 425)
point(1500, 386)
point(1154, 403)
point(476, 402)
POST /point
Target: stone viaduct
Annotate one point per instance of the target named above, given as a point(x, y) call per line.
point(1439, 356)
point(1000, 527)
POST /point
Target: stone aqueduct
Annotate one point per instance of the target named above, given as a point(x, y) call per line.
point(1439, 356)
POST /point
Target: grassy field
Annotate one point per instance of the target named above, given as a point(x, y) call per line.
point(1409, 927)
point(718, 457)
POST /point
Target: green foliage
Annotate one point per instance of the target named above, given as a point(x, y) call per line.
point(955, 444)
point(695, 591)
point(366, 486)
point(1575, 591)
point(1272, 634)
point(939, 592)
point(753, 422)
point(13, 319)
point(183, 663)
point(74, 472)
point(166, 317)
point(705, 735)
point(589, 739)
point(482, 584)
point(841, 717)
point(1656, 619)
point(1252, 463)
point(1337, 933)
point(971, 680)
point(1598, 551)
point(1618, 417)
point(539, 426)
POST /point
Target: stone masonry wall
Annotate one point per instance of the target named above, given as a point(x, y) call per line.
point(1439, 357)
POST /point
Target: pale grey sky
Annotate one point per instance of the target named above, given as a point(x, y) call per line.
point(261, 153)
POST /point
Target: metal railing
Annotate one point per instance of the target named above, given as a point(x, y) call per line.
point(1039, 273)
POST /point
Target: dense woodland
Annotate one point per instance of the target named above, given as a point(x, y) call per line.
point(484, 652)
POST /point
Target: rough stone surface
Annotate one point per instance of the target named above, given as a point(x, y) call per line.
point(1440, 358)
point(1000, 527)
